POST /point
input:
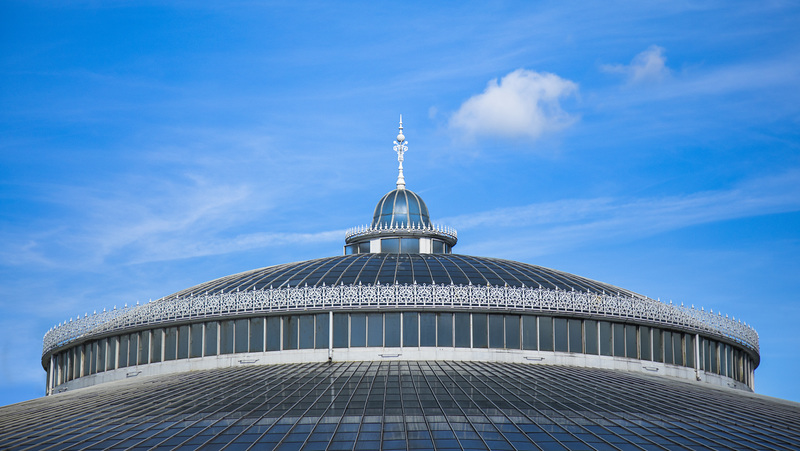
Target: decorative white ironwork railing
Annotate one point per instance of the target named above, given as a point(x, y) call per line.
point(446, 231)
point(347, 297)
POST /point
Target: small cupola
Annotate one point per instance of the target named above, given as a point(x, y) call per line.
point(401, 222)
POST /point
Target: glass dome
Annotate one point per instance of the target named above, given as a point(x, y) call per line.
point(401, 208)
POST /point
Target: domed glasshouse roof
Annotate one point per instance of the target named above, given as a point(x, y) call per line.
point(401, 208)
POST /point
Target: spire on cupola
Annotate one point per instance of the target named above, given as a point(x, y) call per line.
point(400, 147)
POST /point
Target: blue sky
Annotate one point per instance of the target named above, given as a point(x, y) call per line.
point(145, 148)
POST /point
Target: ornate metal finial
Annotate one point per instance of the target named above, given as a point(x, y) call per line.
point(400, 147)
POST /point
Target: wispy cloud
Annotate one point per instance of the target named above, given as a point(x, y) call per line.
point(567, 224)
point(648, 66)
point(522, 104)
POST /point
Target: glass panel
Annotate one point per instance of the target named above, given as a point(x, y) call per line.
point(171, 343)
point(274, 332)
point(438, 246)
point(689, 350)
point(444, 329)
point(256, 335)
point(226, 337)
point(712, 346)
point(111, 354)
point(409, 245)
point(375, 329)
point(363, 248)
point(462, 330)
point(321, 331)
point(560, 329)
point(546, 333)
point(351, 249)
point(496, 332)
point(211, 338)
point(631, 350)
point(144, 347)
point(410, 329)
point(358, 330)
point(677, 348)
point(133, 348)
point(575, 336)
point(590, 336)
point(529, 333)
point(427, 329)
point(480, 328)
point(644, 343)
point(668, 347)
point(92, 357)
point(606, 336)
point(705, 348)
point(196, 342)
point(183, 342)
point(156, 340)
point(658, 345)
point(101, 356)
point(619, 340)
point(390, 245)
point(306, 331)
point(340, 330)
point(512, 331)
point(242, 335)
point(290, 332)
point(392, 332)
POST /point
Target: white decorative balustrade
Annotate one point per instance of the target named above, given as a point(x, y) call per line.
point(347, 297)
point(411, 229)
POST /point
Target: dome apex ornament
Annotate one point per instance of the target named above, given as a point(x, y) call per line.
point(400, 146)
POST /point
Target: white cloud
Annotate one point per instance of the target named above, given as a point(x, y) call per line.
point(648, 66)
point(523, 104)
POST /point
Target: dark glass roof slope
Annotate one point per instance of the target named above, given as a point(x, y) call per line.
point(401, 208)
point(403, 405)
point(372, 269)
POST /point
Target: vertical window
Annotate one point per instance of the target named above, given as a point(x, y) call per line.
point(123, 352)
point(688, 342)
point(410, 329)
point(183, 341)
point(133, 348)
point(677, 348)
point(171, 343)
point(340, 330)
point(444, 329)
point(211, 338)
point(226, 337)
point(462, 330)
point(427, 329)
point(658, 345)
point(575, 336)
point(606, 338)
point(112, 354)
point(645, 345)
point(590, 336)
point(529, 333)
point(321, 331)
point(631, 350)
point(256, 334)
point(101, 356)
point(144, 347)
point(496, 332)
point(390, 245)
point(306, 331)
point(358, 330)
point(375, 329)
point(196, 346)
point(438, 246)
point(714, 355)
point(512, 332)
point(668, 355)
point(156, 344)
point(619, 340)
point(290, 332)
point(480, 327)
point(545, 333)
point(409, 245)
point(392, 332)
point(92, 359)
point(274, 332)
point(561, 334)
point(729, 360)
point(706, 347)
point(242, 335)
